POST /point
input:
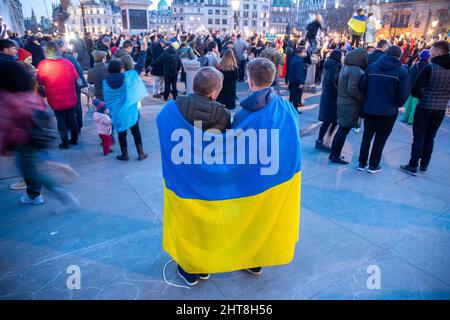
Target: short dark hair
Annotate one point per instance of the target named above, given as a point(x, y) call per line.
point(212, 45)
point(207, 80)
point(272, 44)
point(442, 46)
point(115, 66)
point(261, 71)
point(52, 46)
point(6, 43)
point(381, 43)
point(126, 44)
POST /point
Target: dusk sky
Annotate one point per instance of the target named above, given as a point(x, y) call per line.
point(39, 6)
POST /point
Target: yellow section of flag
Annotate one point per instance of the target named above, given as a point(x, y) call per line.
point(226, 235)
point(357, 25)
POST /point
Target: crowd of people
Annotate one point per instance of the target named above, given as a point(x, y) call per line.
point(361, 81)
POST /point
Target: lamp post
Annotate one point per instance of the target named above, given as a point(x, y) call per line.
point(235, 5)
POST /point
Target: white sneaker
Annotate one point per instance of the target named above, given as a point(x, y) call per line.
point(18, 186)
point(36, 201)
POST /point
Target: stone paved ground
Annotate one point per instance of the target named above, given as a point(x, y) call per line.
point(350, 220)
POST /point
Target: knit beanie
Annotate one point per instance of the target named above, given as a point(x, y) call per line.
point(394, 51)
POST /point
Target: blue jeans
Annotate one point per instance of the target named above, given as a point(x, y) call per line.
point(312, 46)
point(425, 126)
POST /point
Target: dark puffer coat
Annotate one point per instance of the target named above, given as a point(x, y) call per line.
point(328, 99)
point(350, 98)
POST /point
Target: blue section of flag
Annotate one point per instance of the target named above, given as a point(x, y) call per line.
point(227, 181)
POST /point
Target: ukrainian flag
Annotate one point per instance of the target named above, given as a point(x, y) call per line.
point(357, 24)
point(222, 217)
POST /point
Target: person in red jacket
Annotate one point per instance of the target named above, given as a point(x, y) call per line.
point(58, 76)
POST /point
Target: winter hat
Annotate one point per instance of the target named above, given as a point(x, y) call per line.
point(99, 105)
point(394, 51)
point(424, 55)
point(336, 55)
point(23, 54)
point(99, 55)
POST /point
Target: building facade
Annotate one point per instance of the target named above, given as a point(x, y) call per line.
point(283, 15)
point(218, 15)
point(418, 17)
point(99, 17)
point(430, 18)
point(161, 19)
point(11, 16)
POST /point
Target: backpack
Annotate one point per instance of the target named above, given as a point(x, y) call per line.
point(204, 61)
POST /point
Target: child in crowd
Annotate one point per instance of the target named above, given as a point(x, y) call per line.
point(103, 122)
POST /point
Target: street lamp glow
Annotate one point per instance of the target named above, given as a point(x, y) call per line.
point(235, 4)
point(434, 23)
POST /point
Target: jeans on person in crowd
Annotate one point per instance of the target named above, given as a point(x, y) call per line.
point(170, 86)
point(135, 131)
point(242, 70)
point(66, 121)
point(425, 126)
point(27, 160)
point(158, 85)
point(295, 94)
point(338, 142)
point(324, 128)
point(381, 128)
point(312, 45)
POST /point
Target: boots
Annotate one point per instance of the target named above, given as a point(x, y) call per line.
point(140, 151)
point(321, 146)
point(124, 155)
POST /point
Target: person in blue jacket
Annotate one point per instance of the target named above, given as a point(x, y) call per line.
point(386, 85)
point(296, 76)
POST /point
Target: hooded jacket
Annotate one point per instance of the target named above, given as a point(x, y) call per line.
point(386, 85)
point(255, 102)
point(328, 99)
point(170, 62)
point(350, 98)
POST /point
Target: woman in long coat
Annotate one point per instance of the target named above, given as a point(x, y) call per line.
point(230, 71)
point(328, 99)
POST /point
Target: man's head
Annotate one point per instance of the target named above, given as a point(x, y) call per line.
point(318, 18)
point(52, 49)
point(439, 48)
point(128, 46)
point(10, 33)
point(106, 41)
point(8, 47)
point(212, 46)
point(360, 12)
point(382, 45)
point(260, 73)
point(163, 42)
point(272, 45)
point(208, 82)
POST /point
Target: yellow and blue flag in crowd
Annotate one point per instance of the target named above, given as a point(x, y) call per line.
point(229, 205)
point(357, 24)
